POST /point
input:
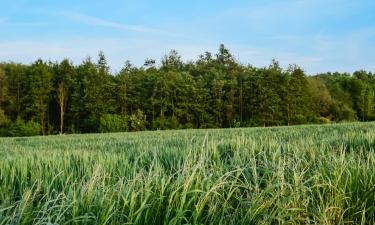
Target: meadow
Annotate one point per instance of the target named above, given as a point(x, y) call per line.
point(311, 174)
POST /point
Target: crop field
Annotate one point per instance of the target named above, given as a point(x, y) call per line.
point(286, 175)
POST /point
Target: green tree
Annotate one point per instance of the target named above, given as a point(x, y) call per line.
point(95, 92)
point(299, 101)
point(3, 93)
point(322, 101)
point(366, 103)
point(123, 83)
point(172, 61)
point(340, 89)
point(213, 91)
point(17, 87)
point(41, 88)
point(64, 78)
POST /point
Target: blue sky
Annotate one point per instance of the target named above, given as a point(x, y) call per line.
point(318, 35)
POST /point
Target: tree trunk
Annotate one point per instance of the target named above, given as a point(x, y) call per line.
point(62, 97)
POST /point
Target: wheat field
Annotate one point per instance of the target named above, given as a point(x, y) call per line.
point(318, 174)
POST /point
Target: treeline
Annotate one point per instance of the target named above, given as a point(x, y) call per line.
point(215, 91)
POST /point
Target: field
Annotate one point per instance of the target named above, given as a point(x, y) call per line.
point(286, 175)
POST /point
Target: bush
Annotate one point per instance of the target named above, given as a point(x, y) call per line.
point(89, 124)
point(138, 121)
point(113, 123)
point(165, 123)
point(122, 123)
point(187, 126)
point(19, 128)
point(299, 119)
point(324, 120)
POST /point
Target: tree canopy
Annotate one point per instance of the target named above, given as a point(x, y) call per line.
point(215, 91)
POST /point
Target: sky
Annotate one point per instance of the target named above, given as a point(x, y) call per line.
point(318, 35)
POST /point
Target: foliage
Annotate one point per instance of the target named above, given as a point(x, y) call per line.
point(215, 91)
point(3, 118)
point(123, 123)
point(113, 123)
point(19, 128)
point(137, 121)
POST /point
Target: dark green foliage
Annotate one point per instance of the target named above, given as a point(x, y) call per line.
point(137, 121)
point(122, 123)
point(40, 75)
point(113, 123)
point(19, 128)
point(216, 91)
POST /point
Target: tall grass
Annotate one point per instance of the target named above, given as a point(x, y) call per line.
point(286, 175)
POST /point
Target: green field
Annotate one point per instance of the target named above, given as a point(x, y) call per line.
point(285, 175)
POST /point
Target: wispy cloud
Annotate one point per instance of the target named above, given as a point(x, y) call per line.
point(339, 57)
point(95, 21)
point(117, 50)
point(318, 35)
point(6, 23)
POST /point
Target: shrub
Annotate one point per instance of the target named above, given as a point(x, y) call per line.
point(19, 128)
point(324, 120)
point(187, 126)
point(299, 119)
point(113, 123)
point(165, 123)
point(137, 121)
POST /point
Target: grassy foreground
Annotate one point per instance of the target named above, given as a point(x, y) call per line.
point(286, 175)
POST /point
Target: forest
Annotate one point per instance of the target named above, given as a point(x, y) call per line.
point(214, 91)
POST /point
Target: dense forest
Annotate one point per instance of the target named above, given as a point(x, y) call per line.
point(215, 91)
